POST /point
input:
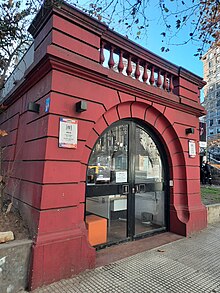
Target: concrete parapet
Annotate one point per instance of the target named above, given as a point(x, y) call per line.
point(213, 213)
point(14, 265)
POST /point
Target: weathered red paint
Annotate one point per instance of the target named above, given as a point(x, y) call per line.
point(48, 182)
point(81, 34)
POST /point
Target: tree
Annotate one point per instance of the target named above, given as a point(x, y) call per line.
point(14, 18)
point(214, 142)
point(2, 177)
point(201, 17)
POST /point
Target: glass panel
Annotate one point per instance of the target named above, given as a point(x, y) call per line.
point(109, 215)
point(149, 196)
point(108, 165)
point(149, 211)
point(108, 162)
point(148, 167)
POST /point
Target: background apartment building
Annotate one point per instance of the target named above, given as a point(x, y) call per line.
point(211, 65)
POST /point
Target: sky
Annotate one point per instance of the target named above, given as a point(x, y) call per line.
point(180, 55)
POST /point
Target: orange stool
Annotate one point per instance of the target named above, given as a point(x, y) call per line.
point(97, 229)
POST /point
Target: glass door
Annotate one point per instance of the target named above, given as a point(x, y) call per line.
point(149, 184)
point(124, 195)
point(108, 185)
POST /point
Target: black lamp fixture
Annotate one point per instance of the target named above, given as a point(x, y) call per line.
point(33, 107)
point(190, 130)
point(81, 106)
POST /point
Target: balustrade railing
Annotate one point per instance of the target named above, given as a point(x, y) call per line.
point(133, 66)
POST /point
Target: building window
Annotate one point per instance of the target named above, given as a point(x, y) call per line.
point(211, 122)
point(218, 130)
point(219, 121)
point(211, 131)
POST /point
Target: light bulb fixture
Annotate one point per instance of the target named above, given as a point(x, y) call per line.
point(33, 107)
point(190, 130)
point(81, 106)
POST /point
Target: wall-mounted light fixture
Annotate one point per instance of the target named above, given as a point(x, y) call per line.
point(189, 130)
point(33, 107)
point(81, 106)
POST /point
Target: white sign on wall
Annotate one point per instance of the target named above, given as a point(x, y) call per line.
point(68, 133)
point(192, 148)
point(121, 176)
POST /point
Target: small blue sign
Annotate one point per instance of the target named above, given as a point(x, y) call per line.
point(47, 105)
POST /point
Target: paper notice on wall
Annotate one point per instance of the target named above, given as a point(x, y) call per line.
point(121, 176)
point(68, 133)
point(192, 148)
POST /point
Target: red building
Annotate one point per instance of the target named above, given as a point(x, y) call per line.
point(103, 140)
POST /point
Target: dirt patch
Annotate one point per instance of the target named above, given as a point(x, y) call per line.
point(13, 222)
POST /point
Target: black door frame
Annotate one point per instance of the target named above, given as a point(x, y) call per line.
point(109, 189)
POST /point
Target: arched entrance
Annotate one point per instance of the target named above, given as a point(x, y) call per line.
point(127, 175)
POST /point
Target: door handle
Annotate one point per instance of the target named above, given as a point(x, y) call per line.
point(137, 188)
point(125, 189)
point(140, 188)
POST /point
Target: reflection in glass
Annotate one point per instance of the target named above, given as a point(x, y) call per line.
point(148, 167)
point(114, 209)
point(138, 184)
point(108, 162)
point(149, 196)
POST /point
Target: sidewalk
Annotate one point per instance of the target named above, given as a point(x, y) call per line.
point(187, 265)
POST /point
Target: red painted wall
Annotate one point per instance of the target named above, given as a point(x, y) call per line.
point(48, 182)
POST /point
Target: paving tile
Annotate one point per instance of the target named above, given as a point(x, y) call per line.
point(189, 265)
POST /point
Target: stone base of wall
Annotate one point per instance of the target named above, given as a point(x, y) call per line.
point(213, 213)
point(14, 265)
point(57, 256)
